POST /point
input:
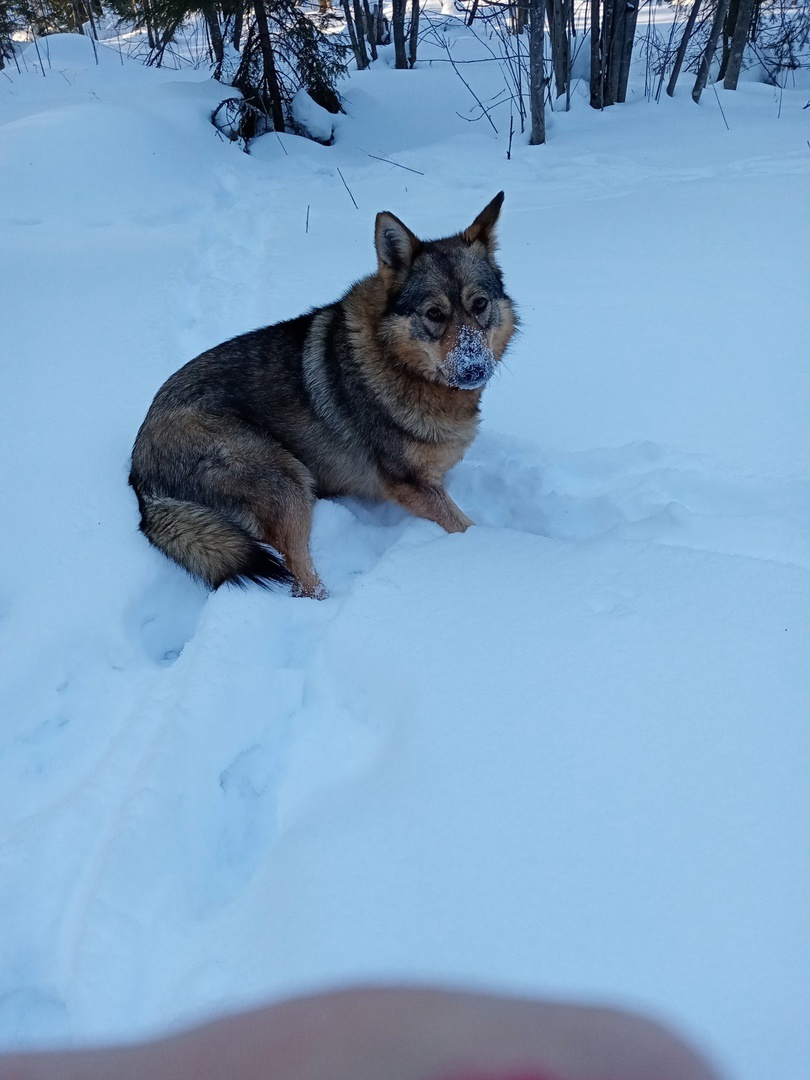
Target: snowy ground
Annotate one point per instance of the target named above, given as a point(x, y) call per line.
point(566, 753)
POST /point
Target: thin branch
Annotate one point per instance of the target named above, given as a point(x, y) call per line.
point(377, 157)
point(340, 174)
point(714, 87)
point(483, 108)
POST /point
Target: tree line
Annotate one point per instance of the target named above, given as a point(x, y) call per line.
point(270, 49)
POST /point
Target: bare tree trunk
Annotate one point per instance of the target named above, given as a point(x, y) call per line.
point(610, 61)
point(381, 34)
point(236, 33)
point(597, 95)
point(360, 24)
point(728, 33)
point(605, 44)
point(272, 87)
point(473, 10)
point(614, 49)
point(77, 16)
point(371, 30)
point(755, 20)
point(215, 37)
point(710, 50)
point(557, 12)
point(743, 25)
point(626, 54)
point(413, 36)
point(398, 21)
point(518, 13)
point(537, 78)
point(687, 33)
point(568, 35)
point(359, 53)
point(92, 19)
point(151, 37)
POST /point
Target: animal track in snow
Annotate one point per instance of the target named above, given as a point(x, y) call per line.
point(636, 492)
point(165, 616)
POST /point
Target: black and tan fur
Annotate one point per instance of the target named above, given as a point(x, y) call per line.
point(364, 397)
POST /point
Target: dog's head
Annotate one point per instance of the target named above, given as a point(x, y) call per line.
point(447, 317)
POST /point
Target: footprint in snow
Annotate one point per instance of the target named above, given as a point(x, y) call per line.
point(164, 618)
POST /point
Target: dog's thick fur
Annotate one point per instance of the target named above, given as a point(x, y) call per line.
point(374, 396)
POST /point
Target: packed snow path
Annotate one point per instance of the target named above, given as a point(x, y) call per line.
point(565, 753)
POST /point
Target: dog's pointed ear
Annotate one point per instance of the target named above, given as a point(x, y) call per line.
point(396, 244)
point(483, 228)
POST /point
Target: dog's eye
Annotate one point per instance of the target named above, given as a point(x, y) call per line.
point(480, 304)
point(435, 314)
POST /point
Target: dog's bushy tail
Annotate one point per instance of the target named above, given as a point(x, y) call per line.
point(209, 545)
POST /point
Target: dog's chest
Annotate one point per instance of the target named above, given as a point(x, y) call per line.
point(433, 459)
point(343, 472)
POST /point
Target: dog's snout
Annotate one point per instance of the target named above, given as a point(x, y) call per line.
point(470, 362)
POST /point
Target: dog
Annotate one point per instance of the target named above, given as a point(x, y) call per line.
point(376, 395)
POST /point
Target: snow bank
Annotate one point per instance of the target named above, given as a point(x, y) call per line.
point(312, 118)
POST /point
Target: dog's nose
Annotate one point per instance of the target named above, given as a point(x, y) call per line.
point(473, 373)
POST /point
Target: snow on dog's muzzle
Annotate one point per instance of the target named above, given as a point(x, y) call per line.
point(471, 362)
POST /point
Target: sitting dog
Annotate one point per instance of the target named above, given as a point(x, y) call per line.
point(376, 395)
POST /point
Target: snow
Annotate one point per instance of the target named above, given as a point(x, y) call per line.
point(564, 753)
point(312, 118)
